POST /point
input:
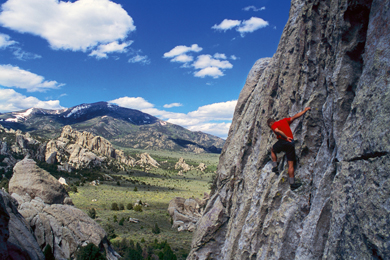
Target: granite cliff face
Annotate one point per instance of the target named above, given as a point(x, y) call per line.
point(333, 56)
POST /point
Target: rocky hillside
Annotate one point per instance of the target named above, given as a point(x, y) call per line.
point(121, 126)
point(333, 56)
point(66, 155)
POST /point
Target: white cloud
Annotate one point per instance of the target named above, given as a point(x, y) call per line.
point(206, 60)
point(216, 111)
point(226, 24)
point(213, 118)
point(23, 55)
point(5, 41)
point(217, 129)
point(181, 49)
point(76, 26)
point(103, 49)
point(173, 105)
point(252, 25)
point(143, 59)
point(209, 71)
point(132, 102)
point(183, 58)
point(14, 77)
point(206, 64)
point(247, 26)
point(233, 57)
point(10, 100)
point(253, 8)
point(220, 56)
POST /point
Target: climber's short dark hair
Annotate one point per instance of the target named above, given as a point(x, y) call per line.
point(270, 120)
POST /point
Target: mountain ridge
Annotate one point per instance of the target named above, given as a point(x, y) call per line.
point(124, 127)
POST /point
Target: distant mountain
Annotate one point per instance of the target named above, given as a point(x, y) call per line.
point(123, 127)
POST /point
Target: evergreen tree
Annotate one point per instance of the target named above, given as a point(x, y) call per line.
point(48, 253)
point(89, 252)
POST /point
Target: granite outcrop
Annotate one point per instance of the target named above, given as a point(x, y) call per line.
point(48, 217)
point(334, 57)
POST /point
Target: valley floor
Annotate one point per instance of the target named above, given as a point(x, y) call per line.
point(156, 187)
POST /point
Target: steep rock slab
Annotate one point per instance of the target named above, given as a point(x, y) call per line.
point(334, 57)
point(17, 238)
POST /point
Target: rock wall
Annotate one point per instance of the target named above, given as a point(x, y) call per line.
point(333, 56)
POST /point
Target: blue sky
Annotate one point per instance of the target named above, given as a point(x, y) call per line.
point(183, 61)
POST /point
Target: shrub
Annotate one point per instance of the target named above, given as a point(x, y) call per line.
point(115, 218)
point(118, 183)
point(121, 221)
point(156, 229)
point(92, 213)
point(89, 252)
point(138, 208)
point(114, 206)
point(129, 206)
point(121, 206)
point(110, 232)
point(135, 189)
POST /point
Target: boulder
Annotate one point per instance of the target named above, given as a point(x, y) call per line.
point(185, 213)
point(30, 180)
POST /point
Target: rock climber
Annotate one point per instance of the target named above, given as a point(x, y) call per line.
point(285, 144)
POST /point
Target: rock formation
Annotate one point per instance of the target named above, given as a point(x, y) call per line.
point(146, 160)
point(83, 149)
point(334, 57)
point(43, 204)
point(182, 165)
point(30, 180)
point(185, 213)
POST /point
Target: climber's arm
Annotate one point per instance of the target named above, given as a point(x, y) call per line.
point(279, 132)
point(299, 114)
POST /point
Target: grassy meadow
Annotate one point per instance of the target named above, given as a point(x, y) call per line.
point(154, 186)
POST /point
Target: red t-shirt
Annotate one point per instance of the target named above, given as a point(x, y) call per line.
point(284, 126)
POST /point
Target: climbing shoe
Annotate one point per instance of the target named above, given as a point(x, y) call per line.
point(295, 185)
point(276, 170)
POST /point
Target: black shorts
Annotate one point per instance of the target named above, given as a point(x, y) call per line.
point(287, 147)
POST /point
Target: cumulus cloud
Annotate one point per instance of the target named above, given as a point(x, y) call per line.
point(5, 41)
point(138, 103)
point(103, 49)
point(183, 58)
point(10, 100)
point(213, 118)
point(252, 25)
point(226, 24)
point(247, 26)
point(209, 71)
point(77, 26)
point(253, 8)
point(15, 77)
point(206, 65)
point(181, 49)
point(173, 105)
point(204, 61)
point(210, 66)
